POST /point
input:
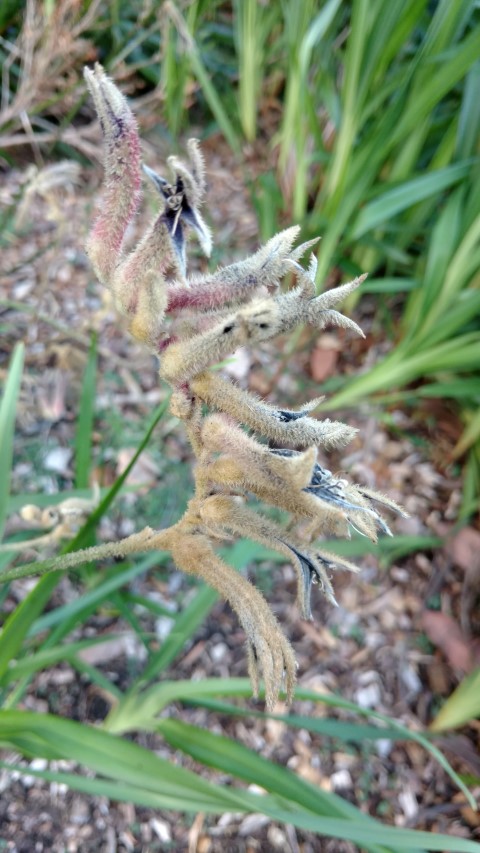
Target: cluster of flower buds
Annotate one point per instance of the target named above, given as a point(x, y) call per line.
point(209, 317)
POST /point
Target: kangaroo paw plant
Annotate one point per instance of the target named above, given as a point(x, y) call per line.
point(192, 323)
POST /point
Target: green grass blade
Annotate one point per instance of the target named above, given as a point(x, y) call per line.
point(55, 738)
point(443, 243)
point(468, 130)
point(84, 425)
point(185, 626)
point(7, 426)
point(356, 47)
point(468, 388)
point(234, 758)
point(199, 71)
point(366, 836)
point(18, 623)
point(53, 564)
point(231, 757)
point(110, 788)
point(315, 33)
point(163, 694)
point(395, 284)
point(399, 368)
point(462, 706)
point(400, 198)
point(372, 835)
point(443, 75)
point(105, 503)
point(392, 26)
point(42, 660)
point(471, 434)
point(347, 732)
point(465, 309)
point(249, 44)
point(81, 608)
point(302, 33)
point(459, 268)
point(17, 501)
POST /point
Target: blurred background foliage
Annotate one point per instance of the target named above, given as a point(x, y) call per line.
point(363, 118)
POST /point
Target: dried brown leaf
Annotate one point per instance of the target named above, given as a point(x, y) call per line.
point(446, 634)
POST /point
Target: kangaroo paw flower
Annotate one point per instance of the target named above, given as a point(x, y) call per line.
point(238, 305)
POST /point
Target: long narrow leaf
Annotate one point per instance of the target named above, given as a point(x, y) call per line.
point(80, 608)
point(443, 76)
point(200, 72)
point(84, 425)
point(135, 772)
point(105, 503)
point(163, 694)
point(7, 425)
point(49, 657)
point(462, 706)
point(185, 625)
point(55, 738)
point(398, 199)
point(53, 564)
point(18, 623)
point(234, 758)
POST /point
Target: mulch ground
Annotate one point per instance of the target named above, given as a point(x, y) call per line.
point(402, 636)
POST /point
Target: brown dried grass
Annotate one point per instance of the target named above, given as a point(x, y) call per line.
point(42, 80)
